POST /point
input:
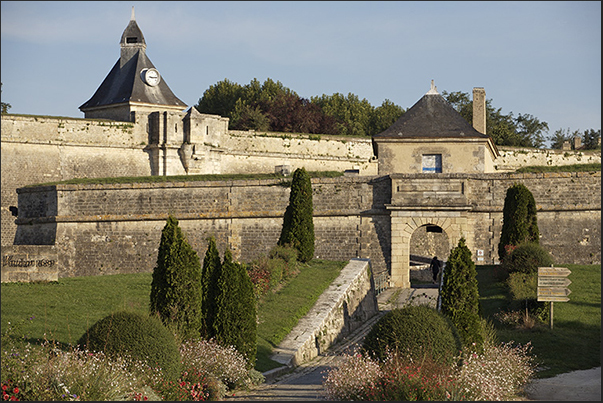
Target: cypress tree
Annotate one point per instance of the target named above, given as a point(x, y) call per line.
point(176, 285)
point(460, 295)
point(209, 280)
point(235, 322)
point(520, 224)
point(298, 224)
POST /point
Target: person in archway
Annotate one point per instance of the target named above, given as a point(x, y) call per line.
point(435, 268)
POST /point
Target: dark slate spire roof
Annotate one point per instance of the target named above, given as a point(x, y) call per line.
point(132, 34)
point(124, 83)
point(431, 117)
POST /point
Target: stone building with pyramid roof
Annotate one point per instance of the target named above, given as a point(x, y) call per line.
point(133, 86)
point(432, 137)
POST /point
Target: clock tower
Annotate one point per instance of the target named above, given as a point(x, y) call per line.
point(134, 88)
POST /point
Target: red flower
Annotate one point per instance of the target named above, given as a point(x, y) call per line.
point(16, 390)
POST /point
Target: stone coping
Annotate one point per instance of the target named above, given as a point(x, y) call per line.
point(300, 344)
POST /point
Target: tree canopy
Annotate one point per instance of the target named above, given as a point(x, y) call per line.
point(270, 106)
point(522, 131)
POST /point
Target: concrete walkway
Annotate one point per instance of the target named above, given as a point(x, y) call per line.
point(304, 383)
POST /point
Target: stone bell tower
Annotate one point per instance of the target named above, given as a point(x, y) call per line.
point(135, 91)
point(134, 88)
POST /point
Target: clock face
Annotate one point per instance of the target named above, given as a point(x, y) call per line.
point(151, 77)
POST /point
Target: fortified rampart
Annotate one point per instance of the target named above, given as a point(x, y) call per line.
point(116, 228)
point(42, 149)
point(512, 158)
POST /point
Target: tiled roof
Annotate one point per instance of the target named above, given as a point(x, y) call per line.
point(431, 117)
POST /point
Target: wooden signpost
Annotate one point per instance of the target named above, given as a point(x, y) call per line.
point(552, 283)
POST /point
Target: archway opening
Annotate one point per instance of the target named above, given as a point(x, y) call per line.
point(426, 241)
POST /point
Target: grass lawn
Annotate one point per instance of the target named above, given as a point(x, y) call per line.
point(64, 310)
point(574, 343)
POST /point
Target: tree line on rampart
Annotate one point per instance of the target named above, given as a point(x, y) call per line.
point(270, 106)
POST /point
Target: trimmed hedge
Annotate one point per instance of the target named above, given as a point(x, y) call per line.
point(417, 330)
point(460, 295)
point(235, 323)
point(142, 338)
point(526, 258)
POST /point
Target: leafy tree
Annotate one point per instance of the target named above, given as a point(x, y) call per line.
point(530, 130)
point(462, 103)
point(384, 116)
point(209, 280)
point(5, 106)
point(248, 117)
point(460, 295)
point(520, 223)
point(522, 131)
point(591, 139)
point(353, 116)
point(176, 284)
point(235, 322)
point(220, 99)
point(272, 106)
point(298, 224)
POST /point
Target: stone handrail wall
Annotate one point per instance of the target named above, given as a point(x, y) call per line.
point(347, 303)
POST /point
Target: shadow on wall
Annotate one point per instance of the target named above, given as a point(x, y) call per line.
point(381, 223)
point(430, 240)
point(41, 234)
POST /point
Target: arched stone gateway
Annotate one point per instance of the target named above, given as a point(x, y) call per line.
point(430, 240)
point(405, 222)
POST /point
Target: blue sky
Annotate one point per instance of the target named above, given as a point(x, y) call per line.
point(540, 58)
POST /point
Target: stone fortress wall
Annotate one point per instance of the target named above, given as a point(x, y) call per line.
point(42, 149)
point(115, 228)
point(83, 224)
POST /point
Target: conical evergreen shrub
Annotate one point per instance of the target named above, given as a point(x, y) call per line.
point(298, 224)
point(520, 223)
point(460, 295)
point(209, 278)
point(235, 323)
point(176, 285)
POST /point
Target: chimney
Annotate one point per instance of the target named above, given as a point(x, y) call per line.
point(479, 109)
point(577, 142)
